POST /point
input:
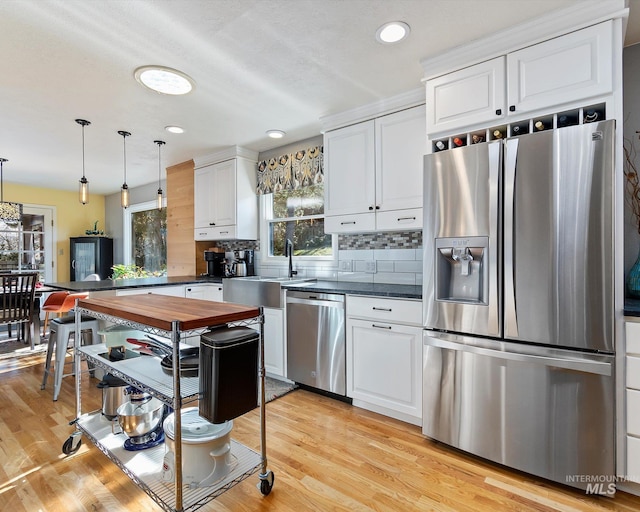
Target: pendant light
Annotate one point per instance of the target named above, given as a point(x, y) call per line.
point(10, 213)
point(124, 191)
point(160, 143)
point(84, 184)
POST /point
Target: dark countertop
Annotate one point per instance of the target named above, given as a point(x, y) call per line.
point(631, 307)
point(122, 284)
point(382, 290)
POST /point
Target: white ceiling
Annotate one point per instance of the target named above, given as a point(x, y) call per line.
point(258, 64)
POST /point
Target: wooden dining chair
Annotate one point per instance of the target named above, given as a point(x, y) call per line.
point(16, 302)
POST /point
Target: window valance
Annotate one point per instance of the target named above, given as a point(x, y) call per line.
point(303, 168)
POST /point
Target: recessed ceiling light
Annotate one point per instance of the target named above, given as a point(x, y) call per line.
point(174, 129)
point(276, 134)
point(164, 80)
point(392, 32)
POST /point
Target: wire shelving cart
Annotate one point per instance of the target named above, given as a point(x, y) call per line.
point(174, 318)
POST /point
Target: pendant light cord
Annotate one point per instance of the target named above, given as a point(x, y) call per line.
point(124, 151)
point(83, 150)
point(124, 156)
point(160, 143)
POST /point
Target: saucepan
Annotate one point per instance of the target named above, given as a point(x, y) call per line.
point(189, 357)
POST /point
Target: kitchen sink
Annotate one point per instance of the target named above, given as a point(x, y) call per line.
point(260, 290)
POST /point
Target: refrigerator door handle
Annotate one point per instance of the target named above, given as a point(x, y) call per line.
point(580, 365)
point(510, 311)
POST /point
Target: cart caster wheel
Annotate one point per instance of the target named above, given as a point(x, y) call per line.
point(266, 483)
point(68, 447)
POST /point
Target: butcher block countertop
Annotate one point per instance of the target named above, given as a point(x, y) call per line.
point(159, 311)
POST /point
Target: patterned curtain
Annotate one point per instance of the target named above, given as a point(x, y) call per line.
point(290, 172)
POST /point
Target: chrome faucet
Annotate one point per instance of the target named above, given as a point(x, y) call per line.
point(288, 252)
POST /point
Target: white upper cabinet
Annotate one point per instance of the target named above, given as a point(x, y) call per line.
point(400, 147)
point(465, 97)
point(373, 170)
point(350, 164)
point(215, 191)
point(568, 68)
point(563, 70)
point(225, 200)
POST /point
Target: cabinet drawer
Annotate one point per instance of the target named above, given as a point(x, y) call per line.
point(399, 220)
point(386, 310)
point(632, 330)
point(217, 233)
point(633, 412)
point(633, 372)
point(357, 223)
point(633, 459)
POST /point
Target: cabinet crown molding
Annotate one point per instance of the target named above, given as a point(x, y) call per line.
point(225, 154)
point(372, 110)
point(548, 26)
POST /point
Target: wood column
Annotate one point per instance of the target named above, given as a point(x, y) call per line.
point(181, 247)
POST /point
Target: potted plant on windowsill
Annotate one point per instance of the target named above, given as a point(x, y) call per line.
point(122, 271)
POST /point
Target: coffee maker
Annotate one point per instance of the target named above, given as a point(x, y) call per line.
point(215, 263)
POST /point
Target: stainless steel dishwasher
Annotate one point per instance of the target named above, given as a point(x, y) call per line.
point(316, 348)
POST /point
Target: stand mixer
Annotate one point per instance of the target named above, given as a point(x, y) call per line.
point(141, 420)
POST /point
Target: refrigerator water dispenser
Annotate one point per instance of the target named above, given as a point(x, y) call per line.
point(460, 267)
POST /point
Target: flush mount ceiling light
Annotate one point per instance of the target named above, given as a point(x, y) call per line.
point(174, 129)
point(276, 134)
point(392, 32)
point(164, 80)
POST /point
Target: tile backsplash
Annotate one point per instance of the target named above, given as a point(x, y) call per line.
point(393, 257)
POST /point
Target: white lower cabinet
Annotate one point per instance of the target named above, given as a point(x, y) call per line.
point(274, 342)
point(632, 399)
point(204, 292)
point(384, 359)
point(174, 291)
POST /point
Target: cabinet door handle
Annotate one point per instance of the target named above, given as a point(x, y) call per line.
point(406, 218)
point(377, 207)
point(382, 309)
point(499, 112)
point(370, 208)
point(212, 223)
point(224, 232)
point(350, 222)
point(381, 326)
point(73, 264)
point(512, 108)
point(203, 234)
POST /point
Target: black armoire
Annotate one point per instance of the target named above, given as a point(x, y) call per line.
point(91, 255)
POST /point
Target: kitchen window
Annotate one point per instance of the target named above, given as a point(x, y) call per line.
point(145, 237)
point(297, 215)
point(28, 245)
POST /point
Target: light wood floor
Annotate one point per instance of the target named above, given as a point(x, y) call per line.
point(326, 456)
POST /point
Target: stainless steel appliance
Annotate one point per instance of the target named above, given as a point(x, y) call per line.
point(316, 346)
point(518, 301)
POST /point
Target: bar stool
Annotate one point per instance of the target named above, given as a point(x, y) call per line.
point(61, 329)
point(60, 303)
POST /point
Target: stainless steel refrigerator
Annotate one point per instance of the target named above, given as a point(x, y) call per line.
point(518, 302)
